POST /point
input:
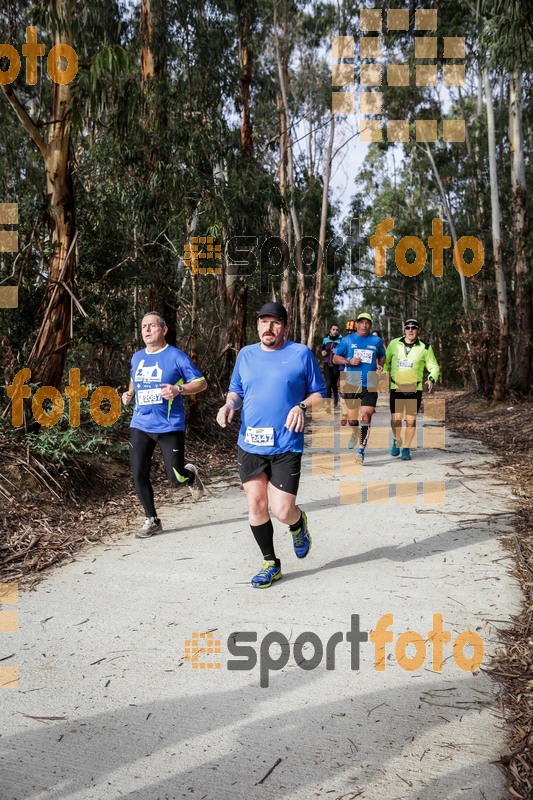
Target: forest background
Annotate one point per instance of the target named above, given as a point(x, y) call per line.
point(193, 119)
point(197, 118)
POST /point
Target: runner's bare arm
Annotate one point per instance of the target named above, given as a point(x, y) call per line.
point(168, 391)
point(225, 414)
point(128, 395)
point(296, 417)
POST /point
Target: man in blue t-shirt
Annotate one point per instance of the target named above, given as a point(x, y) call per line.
point(363, 355)
point(274, 382)
point(160, 375)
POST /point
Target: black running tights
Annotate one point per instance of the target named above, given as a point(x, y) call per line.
point(331, 379)
point(142, 446)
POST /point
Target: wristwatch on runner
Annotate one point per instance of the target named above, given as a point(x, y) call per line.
point(180, 389)
point(303, 407)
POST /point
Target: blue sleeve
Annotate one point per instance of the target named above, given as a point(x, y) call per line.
point(381, 350)
point(315, 382)
point(342, 349)
point(189, 371)
point(235, 384)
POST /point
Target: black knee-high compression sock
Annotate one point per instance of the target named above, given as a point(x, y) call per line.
point(296, 526)
point(264, 536)
point(364, 435)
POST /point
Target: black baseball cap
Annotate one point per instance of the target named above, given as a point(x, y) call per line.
point(273, 309)
point(412, 322)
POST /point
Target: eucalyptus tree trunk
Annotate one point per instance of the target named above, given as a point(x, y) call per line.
point(501, 289)
point(195, 294)
point(234, 289)
point(317, 297)
point(448, 213)
point(523, 292)
point(234, 296)
point(466, 327)
point(153, 68)
point(56, 334)
point(284, 221)
point(47, 358)
point(153, 64)
point(283, 84)
point(238, 290)
point(483, 297)
point(246, 62)
point(284, 224)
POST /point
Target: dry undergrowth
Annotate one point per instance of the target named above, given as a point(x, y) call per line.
point(507, 430)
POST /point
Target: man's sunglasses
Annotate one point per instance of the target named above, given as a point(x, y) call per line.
point(411, 327)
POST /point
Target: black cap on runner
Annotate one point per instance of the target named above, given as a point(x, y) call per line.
point(273, 309)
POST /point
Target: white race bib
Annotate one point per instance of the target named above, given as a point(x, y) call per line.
point(261, 437)
point(149, 397)
point(365, 355)
point(405, 363)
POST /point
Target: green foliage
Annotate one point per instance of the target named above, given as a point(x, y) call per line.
point(61, 445)
point(153, 162)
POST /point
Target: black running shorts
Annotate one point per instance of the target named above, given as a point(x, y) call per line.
point(282, 469)
point(399, 402)
point(367, 398)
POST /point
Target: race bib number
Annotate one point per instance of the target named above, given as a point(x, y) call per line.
point(364, 355)
point(149, 397)
point(261, 437)
point(404, 363)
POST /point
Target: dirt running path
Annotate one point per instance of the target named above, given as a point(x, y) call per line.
point(101, 647)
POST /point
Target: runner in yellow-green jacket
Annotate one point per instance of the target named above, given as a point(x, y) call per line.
point(407, 358)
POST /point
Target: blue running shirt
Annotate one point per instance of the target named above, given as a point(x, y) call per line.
point(152, 413)
point(368, 349)
point(271, 382)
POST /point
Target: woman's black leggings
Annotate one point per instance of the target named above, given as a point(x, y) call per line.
point(142, 446)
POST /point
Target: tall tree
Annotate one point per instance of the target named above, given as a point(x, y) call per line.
point(523, 288)
point(319, 275)
point(48, 354)
point(500, 380)
point(507, 37)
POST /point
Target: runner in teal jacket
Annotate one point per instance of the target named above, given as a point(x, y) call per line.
point(407, 359)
